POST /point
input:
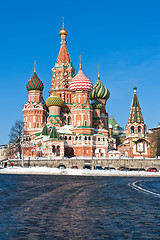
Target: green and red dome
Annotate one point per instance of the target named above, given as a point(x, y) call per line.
point(34, 83)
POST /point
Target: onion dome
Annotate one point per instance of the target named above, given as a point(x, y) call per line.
point(34, 83)
point(80, 82)
point(54, 100)
point(99, 91)
point(97, 104)
point(63, 31)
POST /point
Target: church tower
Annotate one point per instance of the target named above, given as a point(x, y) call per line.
point(99, 96)
point(54, 104)
point(81, 111)
point(35, 110)
point(135, 125)
point(63, 72)
point(136, 144)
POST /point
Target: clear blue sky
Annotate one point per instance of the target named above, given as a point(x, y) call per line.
point(122, 36)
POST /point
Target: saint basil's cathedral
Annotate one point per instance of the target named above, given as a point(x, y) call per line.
point(73, 121)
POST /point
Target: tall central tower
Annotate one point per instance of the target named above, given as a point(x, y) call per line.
point(63, 72)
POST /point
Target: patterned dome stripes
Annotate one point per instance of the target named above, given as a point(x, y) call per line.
point(81, 82)
point(34, 83)
point(99, 91)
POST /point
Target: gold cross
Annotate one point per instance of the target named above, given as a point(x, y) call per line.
point(34, 65)
point(98, 69)
point(80, 64)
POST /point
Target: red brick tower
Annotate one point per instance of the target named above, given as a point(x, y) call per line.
point(54, 104)
point(81, 111)
point(34, 110)
point(63, 72)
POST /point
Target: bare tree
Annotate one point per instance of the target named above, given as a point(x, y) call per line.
point(15, 136)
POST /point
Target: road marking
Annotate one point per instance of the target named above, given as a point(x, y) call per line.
point(133, 185)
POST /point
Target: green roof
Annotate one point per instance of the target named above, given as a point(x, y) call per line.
point(45, 130)
point(54, 133)
point(135, 111)
point(113, 123)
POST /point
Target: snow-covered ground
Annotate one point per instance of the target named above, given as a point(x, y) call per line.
point(78, 172)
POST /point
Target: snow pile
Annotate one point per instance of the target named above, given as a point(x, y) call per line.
point(78, 172)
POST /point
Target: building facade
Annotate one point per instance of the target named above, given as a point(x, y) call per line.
point(73, 121)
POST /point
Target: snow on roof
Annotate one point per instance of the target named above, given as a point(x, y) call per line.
point(65, 129)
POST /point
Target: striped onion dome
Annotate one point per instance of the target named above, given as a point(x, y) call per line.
point(99, 91)
point(34, 83)
point(96, 104)
point(81, 82)
point(54, 100)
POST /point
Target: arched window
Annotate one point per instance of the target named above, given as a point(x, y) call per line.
point(132, 129)
point(65, 137)
point(85, 138)
point(80, 138)
point(85, 123)
point(89, 138)
point(69, 137)
point(76, 138)
point(139, 129)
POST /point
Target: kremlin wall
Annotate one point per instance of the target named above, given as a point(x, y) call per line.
point(72, 123)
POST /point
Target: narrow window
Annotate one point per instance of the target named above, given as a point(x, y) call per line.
point(132, 129)
point(69, 120)
point(53, 149)
point(139, 129)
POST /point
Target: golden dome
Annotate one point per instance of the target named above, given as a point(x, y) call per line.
point(63, 31)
